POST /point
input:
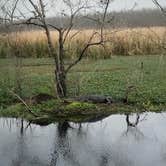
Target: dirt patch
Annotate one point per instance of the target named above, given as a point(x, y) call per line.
point(42, 97)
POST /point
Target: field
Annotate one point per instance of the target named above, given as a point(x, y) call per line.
point(117, 69)
point(136, 41)
point(114, 77)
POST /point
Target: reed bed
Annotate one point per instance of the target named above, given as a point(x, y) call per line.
point(136, 41)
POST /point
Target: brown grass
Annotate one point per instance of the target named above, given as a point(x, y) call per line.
point(137, 41)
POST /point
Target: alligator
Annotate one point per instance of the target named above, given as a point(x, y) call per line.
point(95, 99)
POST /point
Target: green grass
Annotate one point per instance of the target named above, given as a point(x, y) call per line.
point(107, 77)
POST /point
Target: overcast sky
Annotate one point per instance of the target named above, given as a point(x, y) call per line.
point(56, 6)
point(128, 4)
point(116, 5)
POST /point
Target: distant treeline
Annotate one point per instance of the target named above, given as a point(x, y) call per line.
point(131, 19)
point(143, 18)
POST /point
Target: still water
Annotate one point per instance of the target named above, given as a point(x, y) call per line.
point(118, 140)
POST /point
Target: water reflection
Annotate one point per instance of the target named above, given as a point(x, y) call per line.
point(63, 150)
point(61, 145)
point(119, 140)
point(21, 146)
point(134, 123)
point(22, 155)
point(132, 126)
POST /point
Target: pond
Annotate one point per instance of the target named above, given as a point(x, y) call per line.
point(118, 140)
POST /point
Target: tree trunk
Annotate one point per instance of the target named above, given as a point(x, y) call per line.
point(61, 84)
point(60, 69)
point(60, 74)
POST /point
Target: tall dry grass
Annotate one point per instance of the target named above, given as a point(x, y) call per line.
point(137, 41)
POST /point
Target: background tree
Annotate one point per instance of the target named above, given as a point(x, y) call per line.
point(37, 12)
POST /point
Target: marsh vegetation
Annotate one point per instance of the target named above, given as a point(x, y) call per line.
point(120, 42)
point(140, 78)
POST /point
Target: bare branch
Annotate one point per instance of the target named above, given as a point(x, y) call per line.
point(72, 17)
point(23, 102)
point(90, 42)
point(37, 10)
point(163, 10)
point(13, 10)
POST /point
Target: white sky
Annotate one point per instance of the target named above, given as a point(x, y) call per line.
point(116, 5)
point(128, 4)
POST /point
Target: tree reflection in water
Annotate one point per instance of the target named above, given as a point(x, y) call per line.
point(119, 141)
point(62, 147)
point(132, 126)
point(23, 158)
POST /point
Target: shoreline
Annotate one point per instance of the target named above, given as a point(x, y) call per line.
point(79, 112)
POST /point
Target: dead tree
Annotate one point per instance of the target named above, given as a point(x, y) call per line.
point(34, 12)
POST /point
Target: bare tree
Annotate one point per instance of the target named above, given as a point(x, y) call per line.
point(36, 13)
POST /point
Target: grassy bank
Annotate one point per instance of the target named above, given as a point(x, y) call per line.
point(112, 77)
point(136, 41)
point(56, 111)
